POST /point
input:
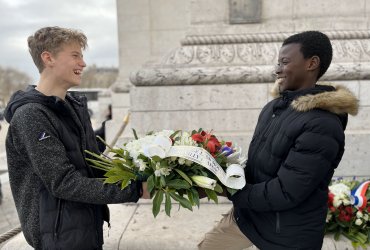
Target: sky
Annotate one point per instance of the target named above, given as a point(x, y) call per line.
point(21, 18)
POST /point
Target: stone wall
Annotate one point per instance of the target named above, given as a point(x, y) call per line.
point(219, 77)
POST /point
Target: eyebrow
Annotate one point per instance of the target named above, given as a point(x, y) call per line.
point(284, 58)
point(76, 52)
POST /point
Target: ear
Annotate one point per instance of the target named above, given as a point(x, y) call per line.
point(313, 63)
point(47, 58)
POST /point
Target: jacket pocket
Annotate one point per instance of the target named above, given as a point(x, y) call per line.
point(277, 228)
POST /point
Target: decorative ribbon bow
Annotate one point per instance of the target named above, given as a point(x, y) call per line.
point(358, 195)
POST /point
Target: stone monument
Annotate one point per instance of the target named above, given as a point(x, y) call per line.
point(210, 64)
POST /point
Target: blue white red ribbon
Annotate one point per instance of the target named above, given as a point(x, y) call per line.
point(358, 195)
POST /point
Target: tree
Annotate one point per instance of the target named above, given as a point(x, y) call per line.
point(98, 77)
point(11, 80)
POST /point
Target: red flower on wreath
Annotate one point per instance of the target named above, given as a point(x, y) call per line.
point(209, 141)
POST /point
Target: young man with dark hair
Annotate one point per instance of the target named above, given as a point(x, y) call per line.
point(297, 144)
point(60, 203)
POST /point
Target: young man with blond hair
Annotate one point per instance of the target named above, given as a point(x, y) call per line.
point(60, 202)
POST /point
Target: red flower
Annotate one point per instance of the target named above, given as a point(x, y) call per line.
point(345, 213)
point(213, 145)
point(332, 208)
point(349, 210)
point(229, 143)
point(330, 198)
point(198, 138)
point(368, 209)
point(209, 141)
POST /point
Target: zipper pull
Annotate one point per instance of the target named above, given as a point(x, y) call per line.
point(273, 115)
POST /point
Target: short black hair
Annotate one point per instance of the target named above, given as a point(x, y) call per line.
point(314, 43)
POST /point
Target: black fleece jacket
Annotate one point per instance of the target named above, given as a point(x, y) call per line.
point(60, 203)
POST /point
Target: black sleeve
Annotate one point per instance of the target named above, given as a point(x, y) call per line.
point(50, 163)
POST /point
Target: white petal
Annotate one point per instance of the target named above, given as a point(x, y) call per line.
point(154, 150)
point(163, 141)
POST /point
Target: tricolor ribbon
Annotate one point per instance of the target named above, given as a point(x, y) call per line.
point(358, 195)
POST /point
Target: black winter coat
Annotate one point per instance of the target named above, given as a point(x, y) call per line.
point(297, 144)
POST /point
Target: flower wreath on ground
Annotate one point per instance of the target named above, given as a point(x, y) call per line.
point(349, 211)
point(177, 165)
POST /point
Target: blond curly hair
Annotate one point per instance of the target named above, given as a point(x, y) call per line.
point(51, 39)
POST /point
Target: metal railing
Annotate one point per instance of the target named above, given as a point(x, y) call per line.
point(9, 234)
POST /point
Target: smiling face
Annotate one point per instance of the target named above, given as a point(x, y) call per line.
point(68, 64)
point(293, 71)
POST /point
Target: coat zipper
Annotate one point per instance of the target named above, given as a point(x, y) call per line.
point(263, 135)
point(277, 222)
point(58, 219)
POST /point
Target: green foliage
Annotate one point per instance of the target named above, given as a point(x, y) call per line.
point(167, 179)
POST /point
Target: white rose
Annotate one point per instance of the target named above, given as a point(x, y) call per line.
point(366, 217)
point(336, 202)
point(340, 190)
point(359, 214)
point(358, 222)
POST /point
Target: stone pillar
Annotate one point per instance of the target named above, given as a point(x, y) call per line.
point(146, 30)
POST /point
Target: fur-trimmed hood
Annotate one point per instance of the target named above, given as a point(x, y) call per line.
point(339, 100)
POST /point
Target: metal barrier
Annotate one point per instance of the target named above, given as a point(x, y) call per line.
point(11, 233)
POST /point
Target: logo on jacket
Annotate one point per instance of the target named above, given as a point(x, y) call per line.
point(43, 136)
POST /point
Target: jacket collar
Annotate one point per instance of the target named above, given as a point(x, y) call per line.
point(335, 99)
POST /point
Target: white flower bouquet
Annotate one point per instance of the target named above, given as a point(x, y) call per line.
point(177, 165)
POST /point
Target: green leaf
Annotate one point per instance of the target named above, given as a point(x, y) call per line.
point(135, 134)
point(150, 182)
point(218, 188)
point(157, 201)
point(163, 181)
point(156, 159)
point(183, 201)
point(195, 196)
point(183, 175)
point(211, 195)
point(190, 196)
point(337, 235)
point(168, 204)
point(125, 183)
point(113, 179)
point(232, 191)
point(174, 134)
point(164, 163)
point(178, 184)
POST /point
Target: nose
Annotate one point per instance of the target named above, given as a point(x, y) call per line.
point(82, 63)
point(278, 69)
